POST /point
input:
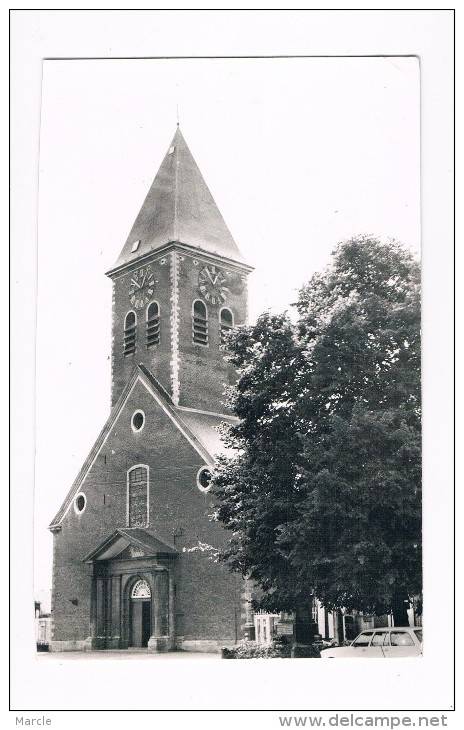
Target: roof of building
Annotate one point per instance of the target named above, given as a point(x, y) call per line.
point(179, 208)
point(207, 429)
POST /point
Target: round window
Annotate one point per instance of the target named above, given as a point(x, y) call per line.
point(138, 419)
point(204, 479)
point(79, 503)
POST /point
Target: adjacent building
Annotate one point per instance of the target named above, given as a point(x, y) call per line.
point(42, 627)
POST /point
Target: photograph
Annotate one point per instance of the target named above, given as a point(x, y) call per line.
point(224, 464)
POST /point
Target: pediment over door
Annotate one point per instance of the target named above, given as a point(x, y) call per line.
point(131, 543)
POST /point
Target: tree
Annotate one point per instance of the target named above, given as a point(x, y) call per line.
point(323, 490)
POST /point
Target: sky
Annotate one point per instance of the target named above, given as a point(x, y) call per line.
point(299, 154)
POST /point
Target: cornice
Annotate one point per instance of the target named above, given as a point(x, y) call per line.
point(193, 251)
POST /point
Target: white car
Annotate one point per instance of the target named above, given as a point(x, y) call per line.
point(384, 643)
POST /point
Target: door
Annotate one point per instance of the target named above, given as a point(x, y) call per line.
point(140, 622)
point(140, 613)
point(376, 647)
point(146, 622)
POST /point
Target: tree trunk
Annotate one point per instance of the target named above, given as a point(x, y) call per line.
point(305, 628)
point(400, 607)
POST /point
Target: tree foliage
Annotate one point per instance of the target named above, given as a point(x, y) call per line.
point(323, 490)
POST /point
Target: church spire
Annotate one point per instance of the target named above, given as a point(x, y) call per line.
point(179, 208)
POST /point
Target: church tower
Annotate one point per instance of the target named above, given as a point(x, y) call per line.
point(179, 285)
point(133, 544)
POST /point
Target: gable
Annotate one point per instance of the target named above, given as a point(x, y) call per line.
point(118, 438)
point(130, 543)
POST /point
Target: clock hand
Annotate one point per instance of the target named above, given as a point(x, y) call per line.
point(216, 276)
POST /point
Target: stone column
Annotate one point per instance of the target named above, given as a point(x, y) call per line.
point(91, 641)
point(114, 641)
point(100, 613)
point(125, 611)
point(172, 612)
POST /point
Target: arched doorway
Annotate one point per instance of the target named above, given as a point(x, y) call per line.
point(140, 614)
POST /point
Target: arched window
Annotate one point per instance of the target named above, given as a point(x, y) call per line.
point(153, 324)
point(200, 323)
point(137, 496)
point(130, 328)
point(141, 589)
point(226, 322)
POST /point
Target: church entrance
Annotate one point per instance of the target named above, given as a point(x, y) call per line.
point(140, 614)
point(132, 599)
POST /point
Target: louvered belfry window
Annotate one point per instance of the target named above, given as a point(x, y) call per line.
point(138, 497)
point(130, 330)
point(226, 324)
point(153, 324)
point(200, 323)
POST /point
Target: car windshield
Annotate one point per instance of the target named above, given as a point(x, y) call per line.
point(363, 639)
point(418, 633)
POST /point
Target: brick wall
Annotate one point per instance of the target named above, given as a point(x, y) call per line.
point(157, 357)
point(203, 371)
point(207, 600)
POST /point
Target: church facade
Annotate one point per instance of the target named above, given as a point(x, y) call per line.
point(134, 548)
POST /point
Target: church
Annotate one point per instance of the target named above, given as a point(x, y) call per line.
point(134, 548)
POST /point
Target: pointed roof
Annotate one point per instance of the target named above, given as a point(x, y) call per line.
point(179, 208)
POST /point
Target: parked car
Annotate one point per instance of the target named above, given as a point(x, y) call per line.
point(385, 643)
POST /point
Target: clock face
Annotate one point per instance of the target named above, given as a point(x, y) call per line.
point(142, 286)
point(212, 284)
